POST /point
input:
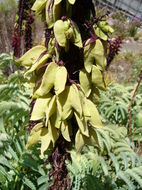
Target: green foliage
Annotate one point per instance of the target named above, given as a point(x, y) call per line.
point(114, 105)
point(7, 5)
point(66, 109)
point(14, 105)
point(14, 99)
point(21, 168)
point(117, 167)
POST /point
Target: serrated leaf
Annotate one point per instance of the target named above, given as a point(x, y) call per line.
point(104, 166)
point(13, 153)
point(29, 183)
point(60, 80)
point(45, 187)
point(31, 56)
point(40, 106)
point(42, 179)
point(48, 80)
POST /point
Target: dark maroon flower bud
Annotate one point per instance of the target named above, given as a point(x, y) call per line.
point(28, 31)
point(114, 46)
point(23, 14)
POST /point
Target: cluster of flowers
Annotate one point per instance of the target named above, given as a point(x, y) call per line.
point(24, 15)
point(114, 46)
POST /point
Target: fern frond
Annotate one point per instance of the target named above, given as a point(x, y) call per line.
point(29, 183)
point(124, 178)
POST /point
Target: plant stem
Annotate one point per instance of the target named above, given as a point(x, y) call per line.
point(131, 103)
point(59, 171)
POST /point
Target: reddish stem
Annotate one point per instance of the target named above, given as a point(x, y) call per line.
point(131, 103)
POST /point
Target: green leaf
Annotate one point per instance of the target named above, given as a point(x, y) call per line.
point(65, 131)
point(94, 54)
point(92, 140)
point(82, 124)
point(42, 179)
point(39, 108)
point(75, 99)
point(104, 166)
point(85, 110)
point(38, 63)
point(63, 104)
point(105, 27)
point(97, 78)
point(29, 183)
point(85, 82)
point(57, 11)
point(47, 81)
point(59, 32)
point(49, 15)
point(31, 56)
point(38, 6)
point(49, 135)
point(72, 2)
point(57, 2)
point(79, 141)
point(95, 95)
point(100, 33)
point(50, 108)
point(69, 33)
point(76, 38)
point(60, 80)
point(35, 135)
point(56, 119)
point(13, 153)
point(95, 119)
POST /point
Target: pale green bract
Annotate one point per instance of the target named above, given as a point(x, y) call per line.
point(31, 56)
point(58, 98)
point(39, 6)
point(64, 31)
point(94, 54)
point(59, 31)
